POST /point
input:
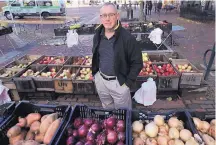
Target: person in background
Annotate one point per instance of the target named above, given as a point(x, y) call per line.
point(155, 6)
point(146, 8)
point(149, 7)
point(159, 6)
point(116, 60)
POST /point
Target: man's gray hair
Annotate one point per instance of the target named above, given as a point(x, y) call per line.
point(110, 4)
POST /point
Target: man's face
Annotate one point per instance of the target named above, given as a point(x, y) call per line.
point(108, 17)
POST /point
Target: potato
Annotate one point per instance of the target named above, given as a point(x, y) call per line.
point(30, 142)
point(22, 122)
point(30, 135)
point(39, 137)
point(44, 117)
point(47, 122)
point(35, 127)
point(14, 140)
point(51, 131)
point(32, 117)
point(13, 131)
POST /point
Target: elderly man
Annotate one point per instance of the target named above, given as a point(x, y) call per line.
point(116, 60)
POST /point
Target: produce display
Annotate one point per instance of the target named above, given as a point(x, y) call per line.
point(160, 132)
point(87, 131)
point(8, 73)
point(206, 130)
point(78, 61)
point(184, 68)
point(59, 60)
point(66, 74)
point(21, 65)
point(145, 57)
point(50, 74)
point(147, 66)
point(30, 73)
point(46, 60)
point(164, 70)
point(88, 61)
point(34, 129)
point(85, 74)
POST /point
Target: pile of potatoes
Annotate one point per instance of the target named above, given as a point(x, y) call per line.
point(34, 129)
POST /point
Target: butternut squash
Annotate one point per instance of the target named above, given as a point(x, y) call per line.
point(22, 122)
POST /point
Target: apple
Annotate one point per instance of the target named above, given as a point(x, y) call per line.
point(165, 70)
point(85, 74)
point(184, 68)
point(147, 68)
point(78, 60)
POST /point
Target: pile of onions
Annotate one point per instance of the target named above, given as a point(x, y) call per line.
point(87, 131)
point(160, 132)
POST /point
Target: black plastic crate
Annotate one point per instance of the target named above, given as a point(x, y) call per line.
point(38, 95)
point(96, 113)
point(81, 86)
point(5, 110)
point(46, 83)
point(24, 108)
point(144, 116)
point(26, 83)
point(74, 61)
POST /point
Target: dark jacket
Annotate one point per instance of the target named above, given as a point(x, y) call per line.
point(127, 59)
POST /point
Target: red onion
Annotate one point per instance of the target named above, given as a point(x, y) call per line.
point(121, 136)
point(82, 131)
point(88, 122)
point(120, 126)
point(112, 137)
point(101, 138)
point(79, 143)
point(78, 122)
point(120, 143)
point(89, 143)
point(110, 122)
point(90, 136)
point(69, 131)
point(75, 133)
point(108, 130)
point(95, 128)
point(70, 140)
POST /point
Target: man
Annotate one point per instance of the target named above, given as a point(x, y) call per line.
point(116, 60)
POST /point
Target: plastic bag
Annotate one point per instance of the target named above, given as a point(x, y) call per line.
point(146, 95)
point(72, 38)
point(155, 36)
point(4, 97)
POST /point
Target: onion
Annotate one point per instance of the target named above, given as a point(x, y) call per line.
point(121, 136)
point(171, 142)
point(112, 137)
point(78, 122)
point(135, 135)
point(110, 122)
point(90, 136)
point(150, 141)
point(163, 130)
point(88, 122)
point(95, 128)
point(137, 126)
point(162, 140)
point(158, 120)
point(120, 143)
point(173, 122)
point(143, 135)
point(70, 140)
point(173, 133)
point(185, 135)
point(138, 141)
point(101, 138)
point(213, 122)
point(178, 142)
point(197, 122)
point(79, 143)
point(82, 131)
point(69, 131)
point(151, 129)
point(180, 126)
point(75, 133)
point(212, 131)
point(205, 127)
point(89, 143)
point(120, 126)
point(191, 141)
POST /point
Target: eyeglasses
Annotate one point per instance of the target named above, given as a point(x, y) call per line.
point(111, 15)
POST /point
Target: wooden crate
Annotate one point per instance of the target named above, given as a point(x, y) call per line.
point(158, 58)
point(173, 55)
point(65, 85)
point(71, 61)
point(26, 84)
point(188, 78)
point(46, 83)
point(28, 58)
